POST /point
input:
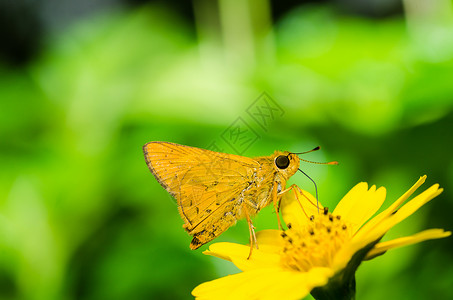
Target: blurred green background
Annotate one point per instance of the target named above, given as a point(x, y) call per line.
point(83, 85)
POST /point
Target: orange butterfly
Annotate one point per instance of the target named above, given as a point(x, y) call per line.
point(214, 189)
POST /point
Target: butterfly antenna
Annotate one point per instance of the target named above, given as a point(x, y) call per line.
point(316, 188)
point(315, 162)
point(318, 163)
point(312, 150)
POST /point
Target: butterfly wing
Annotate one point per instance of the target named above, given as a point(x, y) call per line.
point(207, 185)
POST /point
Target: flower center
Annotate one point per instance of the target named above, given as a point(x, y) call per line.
point(316, 244)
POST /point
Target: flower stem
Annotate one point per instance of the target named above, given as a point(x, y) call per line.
point(335, 291)
point(342, 285)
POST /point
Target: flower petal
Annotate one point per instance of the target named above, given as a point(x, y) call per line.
point(367, 234)
point(267, 283)
point(360, 204)
point(394, 206)
point(413, 205)
point(270, 240)
point(374, 230)
point(238, 255)
point(429, 234)
point(297, 207)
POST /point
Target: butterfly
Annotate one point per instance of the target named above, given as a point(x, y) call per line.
point(213, 190)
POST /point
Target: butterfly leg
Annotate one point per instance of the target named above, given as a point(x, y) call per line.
point(295, 188)
point(276, 204)
point(251, 230)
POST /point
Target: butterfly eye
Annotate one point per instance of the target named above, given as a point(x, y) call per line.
point(282, 162)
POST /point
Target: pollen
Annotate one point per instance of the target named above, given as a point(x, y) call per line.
point(316, 244)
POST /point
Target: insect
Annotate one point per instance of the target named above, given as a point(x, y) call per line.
point(213, 190)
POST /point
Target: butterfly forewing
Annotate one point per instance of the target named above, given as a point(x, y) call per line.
point(204, 183)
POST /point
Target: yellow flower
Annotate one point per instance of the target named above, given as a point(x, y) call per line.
point(320, 251)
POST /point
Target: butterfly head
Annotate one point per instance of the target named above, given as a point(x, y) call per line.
point(286, 163)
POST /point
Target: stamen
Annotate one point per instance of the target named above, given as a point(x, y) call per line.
point(316, 244)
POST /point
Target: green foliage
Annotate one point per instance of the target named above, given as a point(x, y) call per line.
point(81, 216)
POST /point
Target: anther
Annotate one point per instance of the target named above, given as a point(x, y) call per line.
point(338, 217)
point(326, 210)
point(330, 218)
point(312, 217)
point(283, 235)
point(344, 227)
point(311, 232)
point(289, 225)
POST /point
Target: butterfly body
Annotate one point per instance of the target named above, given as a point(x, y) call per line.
point(213, 190)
